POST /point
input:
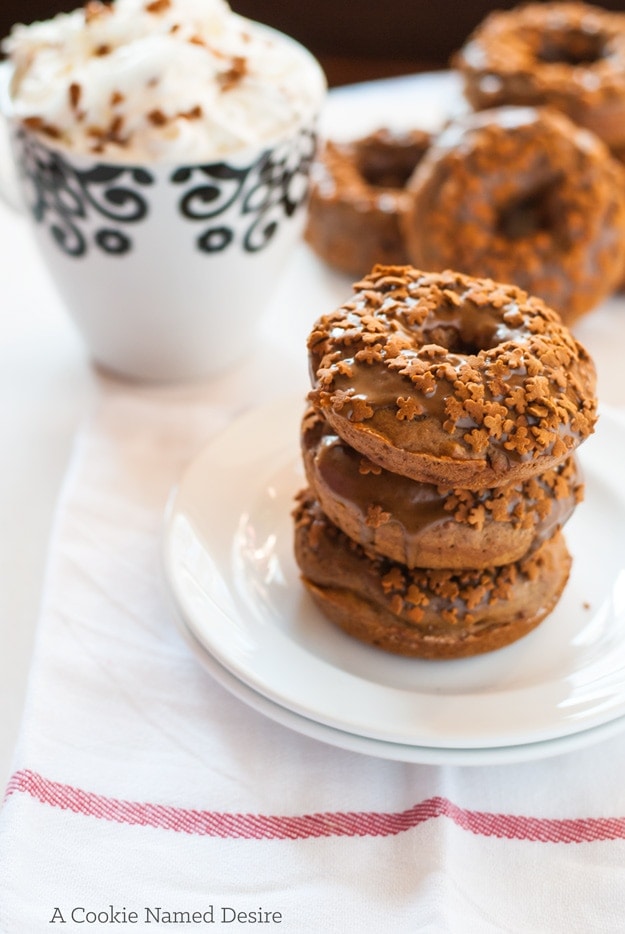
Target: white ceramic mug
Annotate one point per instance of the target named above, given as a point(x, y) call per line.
point(166, 270)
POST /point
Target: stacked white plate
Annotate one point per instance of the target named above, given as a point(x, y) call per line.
point(228, 549)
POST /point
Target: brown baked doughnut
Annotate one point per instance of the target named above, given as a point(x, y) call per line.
point(427, 613)
point(570, 56)
point(521, 195)
point(357, 193)
point(430, 526)
point(451, 380)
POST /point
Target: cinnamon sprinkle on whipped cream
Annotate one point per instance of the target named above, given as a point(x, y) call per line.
point(125, 61)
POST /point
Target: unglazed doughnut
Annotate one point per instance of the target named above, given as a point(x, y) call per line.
point(426, 613)
point(430, 526)
point(357, 194)
point(451, 380)
point(570, 56)
point(521, 195)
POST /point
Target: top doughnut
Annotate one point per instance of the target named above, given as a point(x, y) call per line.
point(570, 56)
point(450, 379)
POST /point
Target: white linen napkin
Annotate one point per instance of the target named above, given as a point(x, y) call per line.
point(145, 797)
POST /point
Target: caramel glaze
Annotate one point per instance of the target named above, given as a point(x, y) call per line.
point(427, 525)
point(450, 379)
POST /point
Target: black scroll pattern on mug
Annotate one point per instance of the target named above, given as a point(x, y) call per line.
point(67, 199)
point(246, 205)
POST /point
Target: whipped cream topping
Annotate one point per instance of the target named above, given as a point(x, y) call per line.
point(176, 81)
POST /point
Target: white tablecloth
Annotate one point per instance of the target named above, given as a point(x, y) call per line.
point(140, 783)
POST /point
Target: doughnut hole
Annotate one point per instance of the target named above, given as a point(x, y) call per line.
point(535, 211)
point(467, 338)
point(387, 162)
point(570, 47)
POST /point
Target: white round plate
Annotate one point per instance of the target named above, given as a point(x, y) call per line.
point(229, 564)
point(399, 752)
point(427, 100)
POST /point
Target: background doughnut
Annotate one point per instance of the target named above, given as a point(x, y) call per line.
point(357, 195)
point(521, 195)
point(570, 56)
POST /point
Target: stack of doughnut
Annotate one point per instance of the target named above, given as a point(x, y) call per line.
point(439, 451)
point(527, 187)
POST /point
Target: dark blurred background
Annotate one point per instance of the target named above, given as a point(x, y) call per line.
point(355, 40)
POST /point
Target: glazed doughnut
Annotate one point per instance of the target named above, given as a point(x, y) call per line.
point(521, 195)
point(357, 193)
point(429, 526)
point(570, 56)
point(426, 613)
point(451, 380)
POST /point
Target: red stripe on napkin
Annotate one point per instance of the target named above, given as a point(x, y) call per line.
point(305, 826)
